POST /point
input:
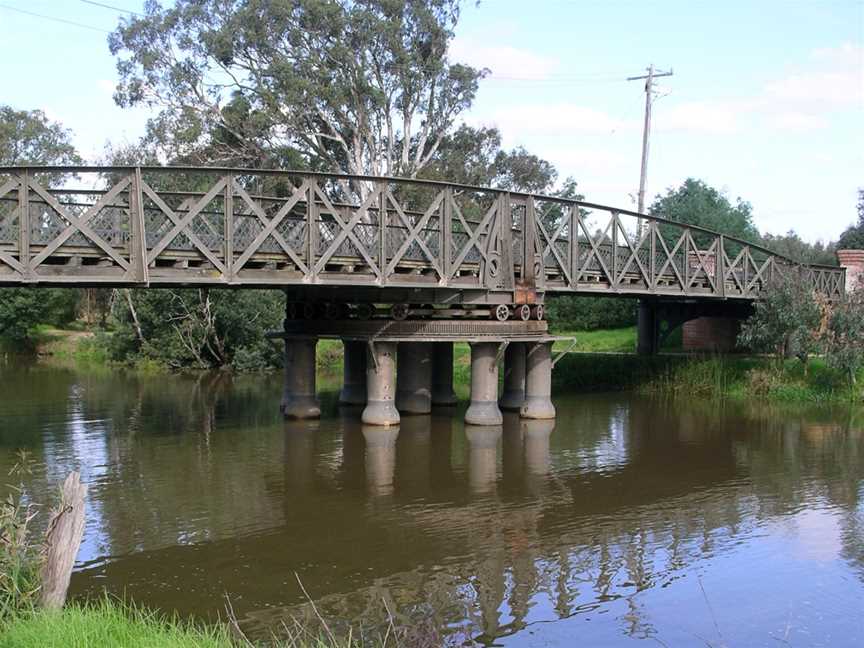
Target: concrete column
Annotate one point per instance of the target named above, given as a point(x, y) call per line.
point(514, 377)
point(414, 378)
point(298, 399)
point(380, 385)
point(354, 374)
point(538, 383)
point(380, 458)
point(442, 374)
point(483, 409)
point(482, 456)
point(646, 327)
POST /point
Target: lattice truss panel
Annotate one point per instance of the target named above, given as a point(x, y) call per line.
point(51, 231)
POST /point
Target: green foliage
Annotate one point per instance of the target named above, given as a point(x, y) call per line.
point(794, 247)
point(22, 309)
point(363, 87)
point(853, 237)
point(20, 556)
point(110, 623)
point(474, 156)
point(844, 335)
point(784, 321)
point(199, 328)
point(28, 137)
point(748, 378)
point(569, 313)
point(695, 203)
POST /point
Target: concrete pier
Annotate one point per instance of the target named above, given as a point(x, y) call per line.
point(442, 375)
point(381, 385)
point(538, 383)
point(414, 383)
point(514, 378)
point(298, 398)
point(353, 390)
point(483, 409)
point(647, 328)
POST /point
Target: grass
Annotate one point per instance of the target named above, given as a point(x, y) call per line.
point(621, 340)
point(109, 623)
point(761, 378)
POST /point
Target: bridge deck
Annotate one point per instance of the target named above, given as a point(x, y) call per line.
point(134, 226)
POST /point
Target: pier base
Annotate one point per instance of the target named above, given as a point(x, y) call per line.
point(414, 385)
point(538, 383)
point(381, 385)
point(353, 390)
point(442, 375)
point(514, 378)
point(483, 409)
point(298, 398)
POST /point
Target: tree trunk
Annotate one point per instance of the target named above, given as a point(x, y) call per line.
point(62, 541)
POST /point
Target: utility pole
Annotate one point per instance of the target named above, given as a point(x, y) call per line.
point(646, 131)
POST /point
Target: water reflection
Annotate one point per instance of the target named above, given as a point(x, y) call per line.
point(608, 522)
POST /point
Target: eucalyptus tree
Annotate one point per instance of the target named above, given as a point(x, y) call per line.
point(355, 86)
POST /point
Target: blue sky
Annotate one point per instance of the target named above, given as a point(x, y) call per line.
point(767, 99)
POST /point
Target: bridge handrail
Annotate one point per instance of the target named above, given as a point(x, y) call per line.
point(396, 179)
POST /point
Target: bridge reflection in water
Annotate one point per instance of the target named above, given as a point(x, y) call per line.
point(605, 518)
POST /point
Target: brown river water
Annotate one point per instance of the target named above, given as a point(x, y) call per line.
point(628, 521)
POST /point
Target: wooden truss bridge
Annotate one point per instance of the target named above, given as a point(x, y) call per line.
point(164, 226)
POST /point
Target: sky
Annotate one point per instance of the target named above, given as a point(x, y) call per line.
point(766, 101)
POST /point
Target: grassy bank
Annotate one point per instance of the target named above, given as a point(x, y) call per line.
point(759, 378)
point(108, 623)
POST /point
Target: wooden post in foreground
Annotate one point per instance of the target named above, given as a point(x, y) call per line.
point(62, 540)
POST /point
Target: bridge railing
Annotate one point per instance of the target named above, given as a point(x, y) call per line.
point(167, 225)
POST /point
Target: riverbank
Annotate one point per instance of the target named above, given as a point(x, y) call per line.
point(599, 360)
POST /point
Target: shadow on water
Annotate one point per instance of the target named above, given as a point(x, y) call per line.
point(627, 518)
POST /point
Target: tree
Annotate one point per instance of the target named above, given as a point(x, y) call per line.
point(695, 203)
point(473, 156)
point(794, 247)
point(785, 321)
point(844, 336)
point(853, 237)
point(198, 328)
point(29, 137)
point(360, 87)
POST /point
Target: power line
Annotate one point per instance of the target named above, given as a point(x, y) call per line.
point(54, 19)
point(112, 7)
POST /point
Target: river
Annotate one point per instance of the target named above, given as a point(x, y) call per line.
point(629, 520)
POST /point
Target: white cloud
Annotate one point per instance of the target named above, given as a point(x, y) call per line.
point(836, 81)
point(555, 119)
point(698, 116)
point(504, 61)
point(799, 122)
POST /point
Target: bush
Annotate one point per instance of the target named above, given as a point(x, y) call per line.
point(199, 328)
point(567, 313)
